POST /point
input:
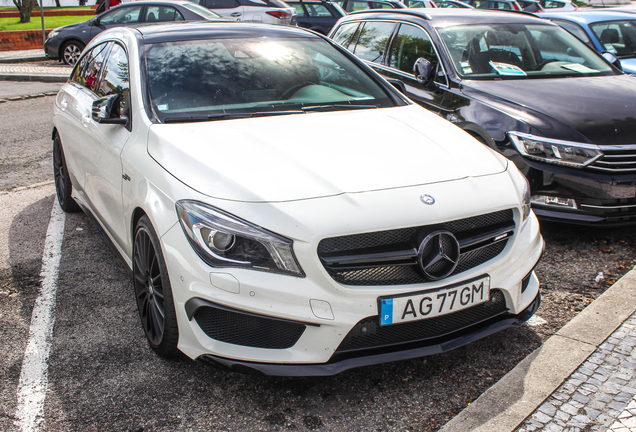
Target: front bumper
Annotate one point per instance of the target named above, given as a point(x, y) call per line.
point(52, 48)
point(601, 199)
point(425, 348)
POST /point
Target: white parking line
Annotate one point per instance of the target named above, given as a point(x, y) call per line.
point(33, 377)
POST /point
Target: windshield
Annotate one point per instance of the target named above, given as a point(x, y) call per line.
point(618, 37)
point(216, 79)
point(494, 51)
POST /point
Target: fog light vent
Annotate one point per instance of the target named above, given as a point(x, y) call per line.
point(240, 328)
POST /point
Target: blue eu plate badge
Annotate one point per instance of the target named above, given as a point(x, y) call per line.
point(386, 316)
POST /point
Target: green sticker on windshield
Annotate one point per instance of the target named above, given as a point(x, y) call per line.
point(577, 67)
point(506, 69)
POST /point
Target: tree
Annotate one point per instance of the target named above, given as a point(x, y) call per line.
point(25, 7)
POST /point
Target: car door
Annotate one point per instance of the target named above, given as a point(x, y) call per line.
point(320, 17)
point(409, 44)
point(117, 17)
point(104, 169)
point(230, 9)
point(75, 102)
point(372, 40)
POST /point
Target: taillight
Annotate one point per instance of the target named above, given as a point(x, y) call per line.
point(280, 14)
point(514, 5)
point(433, 5)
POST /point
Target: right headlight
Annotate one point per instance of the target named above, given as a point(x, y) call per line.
point(223, 240)
point(558, 152)
point(53, 34)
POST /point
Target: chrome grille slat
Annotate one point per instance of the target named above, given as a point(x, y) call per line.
point(621, 159)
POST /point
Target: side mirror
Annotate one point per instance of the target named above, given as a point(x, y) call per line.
point(612, 59)
point(397, 84)
point(423, 70)
point(106, 110)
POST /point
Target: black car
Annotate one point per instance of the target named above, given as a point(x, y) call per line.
point(317, 15)
point(66, 43)
point(523, 86)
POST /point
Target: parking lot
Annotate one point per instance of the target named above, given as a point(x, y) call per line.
point(103, 376)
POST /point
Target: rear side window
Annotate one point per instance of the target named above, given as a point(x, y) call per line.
point(116, 77)
point(317, 10)
point(300, 12)
point(89, 70)
point(553, 5)
point(373, 40)
point(344, 33)
point(162, 14)
point(221, 4)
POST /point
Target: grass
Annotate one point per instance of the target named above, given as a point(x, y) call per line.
point(36, 23)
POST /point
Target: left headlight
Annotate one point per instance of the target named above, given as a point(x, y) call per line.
point(567, 153)
point(526, 197)
point(223, 240)
point(53, 34)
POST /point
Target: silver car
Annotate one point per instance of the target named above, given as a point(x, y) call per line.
point(265, 11)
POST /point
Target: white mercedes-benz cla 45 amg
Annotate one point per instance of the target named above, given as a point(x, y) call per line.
point(285, 210)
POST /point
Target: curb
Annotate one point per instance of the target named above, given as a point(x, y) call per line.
point(33, 77)
point(504, 406)
point(23, 59)
point(24, 97)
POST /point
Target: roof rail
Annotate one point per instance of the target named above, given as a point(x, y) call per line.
point(399, 11)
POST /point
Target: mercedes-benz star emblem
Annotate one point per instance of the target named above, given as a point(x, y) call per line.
point(438, 254)
point(427, 199)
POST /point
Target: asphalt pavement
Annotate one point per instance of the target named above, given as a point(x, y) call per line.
point(583, 378)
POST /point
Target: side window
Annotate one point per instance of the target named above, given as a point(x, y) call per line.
point(410, 44)
point(90, 67)
point(317, 10)
point(344, 33)
point(299, 9)
point(162, 14)
point(373, 40)
point(124, 15)
point(553, 5)
point(221, 4)
point(116, 78)
point(575, 30)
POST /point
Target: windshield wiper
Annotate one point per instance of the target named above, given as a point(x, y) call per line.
point(335, 107)
point(227, 116)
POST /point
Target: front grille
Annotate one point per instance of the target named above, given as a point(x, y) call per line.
point(620, 159)
point(240, 328)
point(393, 253)
point(368, 333)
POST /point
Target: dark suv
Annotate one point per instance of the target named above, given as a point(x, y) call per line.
point(522, 86)
point(317, 15)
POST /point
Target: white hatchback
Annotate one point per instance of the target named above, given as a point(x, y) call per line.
point(282, 207)
point(257, 11)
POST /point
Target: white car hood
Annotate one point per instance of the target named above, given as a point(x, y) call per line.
point(302, 156)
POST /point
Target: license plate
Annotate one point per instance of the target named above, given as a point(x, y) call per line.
point(428, 304)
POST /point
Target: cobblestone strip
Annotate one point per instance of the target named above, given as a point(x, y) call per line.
point(22, 53)
point(600, 395)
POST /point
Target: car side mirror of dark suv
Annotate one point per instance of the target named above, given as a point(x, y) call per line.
point(612, 59)
point(423, 70)
point(106, 110)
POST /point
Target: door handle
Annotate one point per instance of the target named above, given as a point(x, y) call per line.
point(236, 14)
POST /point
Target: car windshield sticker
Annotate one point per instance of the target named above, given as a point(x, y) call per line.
point(506, 69)
point(577, 67)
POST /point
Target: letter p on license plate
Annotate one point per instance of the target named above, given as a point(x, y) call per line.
point(432, 303)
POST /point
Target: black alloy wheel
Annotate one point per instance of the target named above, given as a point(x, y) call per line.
point(63, 186)
point(153, 291)
point(71, 52)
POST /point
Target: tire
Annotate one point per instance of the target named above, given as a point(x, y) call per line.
point(71, 51)
point(63, 186)
point(153, 292)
